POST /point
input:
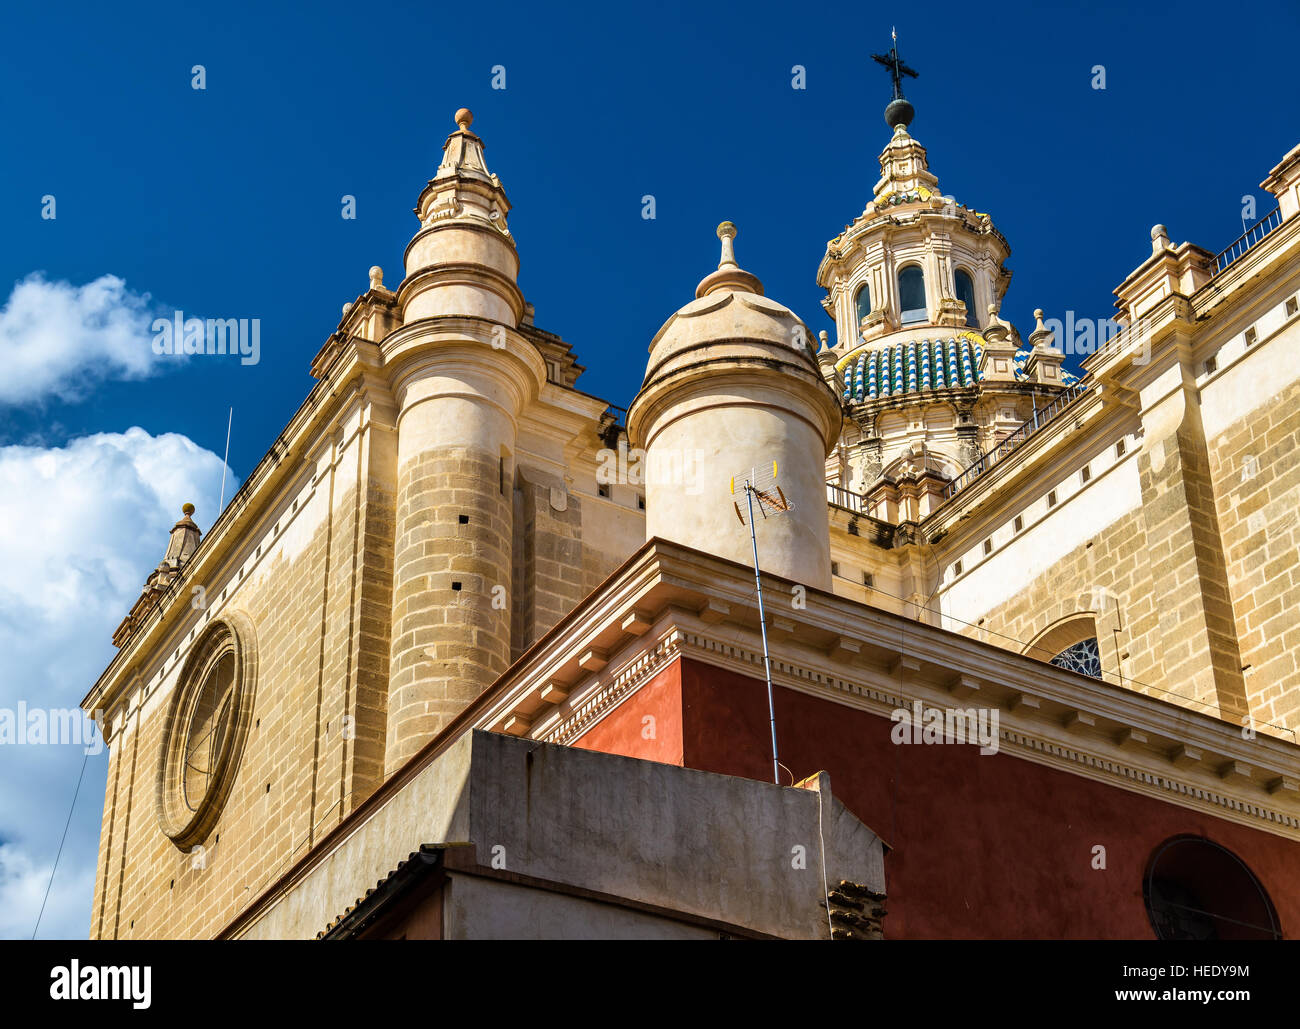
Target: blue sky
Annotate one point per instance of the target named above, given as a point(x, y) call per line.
point(226, 202)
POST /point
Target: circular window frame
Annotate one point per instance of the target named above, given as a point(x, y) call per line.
point(1274, 928)
point(186, 827)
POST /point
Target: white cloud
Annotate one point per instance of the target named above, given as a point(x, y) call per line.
point(81, 525)
point(58, 340)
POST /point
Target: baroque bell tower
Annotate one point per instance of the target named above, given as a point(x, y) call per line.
point(931, 375)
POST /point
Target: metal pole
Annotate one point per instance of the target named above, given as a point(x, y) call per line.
point(225, 462)
point(762, 624)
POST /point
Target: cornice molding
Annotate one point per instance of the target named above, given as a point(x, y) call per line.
point(875, 661)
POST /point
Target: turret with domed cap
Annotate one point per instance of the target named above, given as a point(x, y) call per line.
point(732, 385)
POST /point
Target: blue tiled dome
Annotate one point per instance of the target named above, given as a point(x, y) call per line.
point(921, 365)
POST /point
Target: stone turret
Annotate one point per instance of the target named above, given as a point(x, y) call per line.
point(461, 374)
point(733, 385)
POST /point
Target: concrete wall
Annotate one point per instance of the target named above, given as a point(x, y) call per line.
point(682, 840)
point(484, 909)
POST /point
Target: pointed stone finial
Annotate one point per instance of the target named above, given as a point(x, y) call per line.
point(997, 331)
point(1041, 338)
point(462, 154)
point(729, 276)
point(181, 543)
point(376, 277)
point(726, 233)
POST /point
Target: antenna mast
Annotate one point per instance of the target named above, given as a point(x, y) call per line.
point(225, 463)
point(770, 497)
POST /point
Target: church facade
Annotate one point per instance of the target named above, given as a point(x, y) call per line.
point(451, 543)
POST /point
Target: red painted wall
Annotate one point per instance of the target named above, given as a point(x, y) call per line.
point(984, 847)
point(624, 731)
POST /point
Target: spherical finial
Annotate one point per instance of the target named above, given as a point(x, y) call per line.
point(1157, 231)
point(1038, 314)
point(376, 276)
point(899, 112)
point(465, 118)
point(993, 308)
point(187, 509)
point(347, 307)
point(726, 231)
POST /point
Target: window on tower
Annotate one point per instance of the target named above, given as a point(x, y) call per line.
point(911, 295)
point(862, 302)
point(966, 294)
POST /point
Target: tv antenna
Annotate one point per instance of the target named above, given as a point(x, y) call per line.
point(225, 463)
point(759, 485)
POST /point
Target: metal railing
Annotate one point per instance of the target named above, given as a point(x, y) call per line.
point(846, 498)
point(1041, 417)
point(1247, 240)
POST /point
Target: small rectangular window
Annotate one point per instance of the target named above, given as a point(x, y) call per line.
point(1051, 499)
point(1019, 523)
point(603, 489)
point(1251, 336)
point(988, 545)
point(1292, 306)
point(640, 502)
point(1085, 473)
point(956, 570)
point(1211, 366)
point(835, 568)
point(868, 580)
point(1121, 448)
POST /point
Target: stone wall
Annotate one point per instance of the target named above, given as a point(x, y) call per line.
point(312, 579)
point(451, 610)
point(1255, 465)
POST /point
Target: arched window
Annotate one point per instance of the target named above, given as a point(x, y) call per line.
point(966, 294)
point(1070, 643)
point(1197, 890)
point(862, 303)
point(1083, 657)
point(911, 295)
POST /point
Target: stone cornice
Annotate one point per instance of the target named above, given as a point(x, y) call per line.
point(1137, 345)
point(1038, 453)
point(671, 602)
point(355, 379)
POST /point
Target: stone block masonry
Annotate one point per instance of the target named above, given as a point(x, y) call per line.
point(451, 609)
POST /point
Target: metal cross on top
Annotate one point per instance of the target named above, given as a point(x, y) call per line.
point(897, 69)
